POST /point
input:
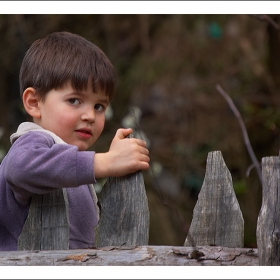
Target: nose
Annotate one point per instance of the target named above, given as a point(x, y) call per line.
point(88, 115)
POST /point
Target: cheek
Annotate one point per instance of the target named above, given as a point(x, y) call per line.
point(63, 124)
point(66, 120)
point(99, 127)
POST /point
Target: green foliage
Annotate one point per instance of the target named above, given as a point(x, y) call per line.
point(239, 187)
point(215, 30)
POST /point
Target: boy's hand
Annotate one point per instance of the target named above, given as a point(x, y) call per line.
point(125, 156)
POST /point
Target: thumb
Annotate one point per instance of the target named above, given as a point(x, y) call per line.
point(123, 133)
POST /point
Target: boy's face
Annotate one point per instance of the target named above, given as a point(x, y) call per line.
point(78, 118)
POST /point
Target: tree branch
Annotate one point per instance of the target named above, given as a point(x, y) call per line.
point(243, 129)
point(268, 19)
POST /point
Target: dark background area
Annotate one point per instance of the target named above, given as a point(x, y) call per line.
point(167, 68)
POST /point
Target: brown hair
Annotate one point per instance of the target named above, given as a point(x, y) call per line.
point(61, 57)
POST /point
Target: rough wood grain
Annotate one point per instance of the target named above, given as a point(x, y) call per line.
point(134, 256)
point(124, 212)
point(217, 218)
point(268, 225)
point(47, 224)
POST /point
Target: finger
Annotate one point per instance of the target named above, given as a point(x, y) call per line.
point(145, 159)
point(144, 151)
point(144, 165)
point(140, 142)
point(123, 133)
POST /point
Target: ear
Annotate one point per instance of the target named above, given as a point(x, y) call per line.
point(30, 101)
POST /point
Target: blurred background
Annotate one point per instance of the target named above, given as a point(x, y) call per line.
point(167, 68)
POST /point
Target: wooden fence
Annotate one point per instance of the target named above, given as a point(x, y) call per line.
point(215, 237)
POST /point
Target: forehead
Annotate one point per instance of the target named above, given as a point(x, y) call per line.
point(88, 90)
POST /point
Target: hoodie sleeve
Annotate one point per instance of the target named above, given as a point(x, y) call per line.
point(36, 165)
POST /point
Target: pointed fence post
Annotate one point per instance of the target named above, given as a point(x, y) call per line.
point(124, 212)
point(47, 223)
point(217, 218)
point(268, 225)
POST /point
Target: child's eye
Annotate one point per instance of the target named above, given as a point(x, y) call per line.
point(74, 101)
point(99, 107)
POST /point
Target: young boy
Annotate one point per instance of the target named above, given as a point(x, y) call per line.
point(66, 84)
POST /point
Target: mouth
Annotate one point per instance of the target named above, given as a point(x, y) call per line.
point(84, 133)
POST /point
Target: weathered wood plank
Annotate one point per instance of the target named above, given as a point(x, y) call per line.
point(47, 224)
point(134, 256)
point(268, 224)
point(217, 218)
point(124, 212)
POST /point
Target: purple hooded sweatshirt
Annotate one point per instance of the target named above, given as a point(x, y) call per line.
point(36, 164)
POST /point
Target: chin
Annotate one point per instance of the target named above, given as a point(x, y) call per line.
point(82, 148)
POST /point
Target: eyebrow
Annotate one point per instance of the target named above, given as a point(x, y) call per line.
point(101, 99)
point(104, 100)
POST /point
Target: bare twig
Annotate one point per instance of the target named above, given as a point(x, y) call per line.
point(249, 169)
point(243, 129)
point(269, 20)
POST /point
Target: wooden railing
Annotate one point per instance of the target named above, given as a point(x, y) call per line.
point(215, 237)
